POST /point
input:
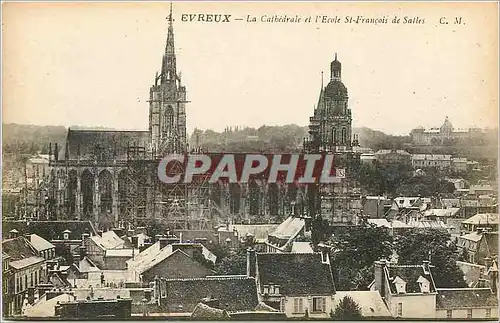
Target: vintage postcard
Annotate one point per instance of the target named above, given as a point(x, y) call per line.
point(250, 160)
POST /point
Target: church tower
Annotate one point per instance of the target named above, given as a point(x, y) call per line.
point(331, 123)
point(167, 103)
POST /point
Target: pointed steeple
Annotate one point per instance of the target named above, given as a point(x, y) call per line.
point(168, 69)
point(321, 99)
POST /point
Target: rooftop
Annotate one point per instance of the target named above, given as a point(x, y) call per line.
point(296, 273)
point(232, 294)
point(482, 218)
point(455, 298)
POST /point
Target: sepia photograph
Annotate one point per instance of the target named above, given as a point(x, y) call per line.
point(250, 161)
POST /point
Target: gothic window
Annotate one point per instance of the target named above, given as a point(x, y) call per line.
point(344, 135)
point(334, 135)
point(169, 119)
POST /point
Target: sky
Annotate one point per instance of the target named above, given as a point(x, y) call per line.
point(91, 64)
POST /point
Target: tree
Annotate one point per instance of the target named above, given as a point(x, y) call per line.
point(235, 263)
point(347, 310)
point(354, 252)
point(417, 245)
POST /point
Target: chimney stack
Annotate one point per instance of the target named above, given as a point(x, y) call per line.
point(135, 241)
point(380, 276)
point(82, 251)
point(251, 262)
point(425, 266)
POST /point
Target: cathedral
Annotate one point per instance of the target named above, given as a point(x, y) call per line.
point(110, 177)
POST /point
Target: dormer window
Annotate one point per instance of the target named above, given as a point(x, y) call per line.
point(424, 284)
point(271, 289)
point(400, 285)
point(66, 234)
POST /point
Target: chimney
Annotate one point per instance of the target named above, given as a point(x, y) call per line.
point(135, 241)
point(493, 276)
point(380, 277)
point(82, 252)
point(487, 263)
point(425, 266)
point(84, 237)
point(325, 259)
point(251, 262)
point(163, 242)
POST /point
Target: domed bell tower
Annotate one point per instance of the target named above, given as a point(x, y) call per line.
point(332, 115)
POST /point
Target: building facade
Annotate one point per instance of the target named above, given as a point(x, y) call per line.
point(443, 135)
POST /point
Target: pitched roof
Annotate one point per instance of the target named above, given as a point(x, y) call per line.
point(389, 151)
point(150, 257)
point(431, 224)
point(302, 247)
point(289, 228)
point(449, 212)
point(153, 255)
point(126, 253)
point(409, 274)
point(204, 311)
point(465, 298)
point(26, 262)
point(18, 248)
point(233, 293)
point(431, 157)
point(370, 302)
point(112, 143)
point(50, 230)
point(296, 273)
point(259, 231)
point(396, 224)
point(46, 308)
point(40, 243)
point(482, 218)
point(473, 236)
point(193, 235)
point(108, 240)
point(406, 202)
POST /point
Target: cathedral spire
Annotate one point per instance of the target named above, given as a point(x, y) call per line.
point(168, 69)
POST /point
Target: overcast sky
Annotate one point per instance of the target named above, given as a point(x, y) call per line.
point(92, 64)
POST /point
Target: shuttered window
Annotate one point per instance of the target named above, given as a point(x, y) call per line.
point(298, 305)
point(319, 304)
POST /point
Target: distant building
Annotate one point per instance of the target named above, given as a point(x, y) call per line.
point(27, 268)
point(459, 183)
point(486, 221)
point(367, 158)
point(170, 260)
point(393, 156)
point(459, 164)
point(442, 162)
point(479, 245)
point(443, 135)
point(394, 227)
point(375, 207)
